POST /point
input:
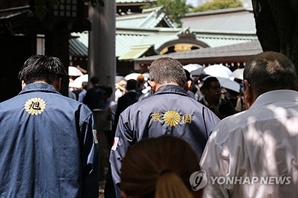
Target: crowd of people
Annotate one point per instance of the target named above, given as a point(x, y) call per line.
point(173, 135)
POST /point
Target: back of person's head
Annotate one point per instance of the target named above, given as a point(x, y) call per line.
point(159, 167)
point(200, 79)
point(84, 85)
point(94, 80)
point(107, 91)
point(141, 79)
point(167, 70)
point(131, 84)
point(207, 81)
point(269, 71)
point(187, 75)
point(42, 68)
point(202, 76)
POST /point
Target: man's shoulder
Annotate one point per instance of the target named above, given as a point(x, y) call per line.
point(230, 125)
point(135, 106)
point(39, 101)
point(159, 100)
point(10, 104)
point(83, 92)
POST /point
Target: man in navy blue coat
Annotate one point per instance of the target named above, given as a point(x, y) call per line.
point(169, 111)
point(47, 141)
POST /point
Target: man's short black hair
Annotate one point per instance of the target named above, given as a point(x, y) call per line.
point(131, 84)
point(94, 80)
point(207, 82)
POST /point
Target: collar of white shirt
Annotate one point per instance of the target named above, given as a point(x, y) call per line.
point(275, 96)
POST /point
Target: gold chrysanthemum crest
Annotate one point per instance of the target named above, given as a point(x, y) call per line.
point(171, 118)
point(35, 106)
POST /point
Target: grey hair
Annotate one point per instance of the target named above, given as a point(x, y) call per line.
point(269, 71)
point(167, 70)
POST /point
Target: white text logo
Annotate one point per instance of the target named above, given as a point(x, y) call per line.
point(198, 180)
point(270, 180)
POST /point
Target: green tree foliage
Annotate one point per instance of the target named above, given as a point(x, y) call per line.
point(217, 5)
point(176, 9)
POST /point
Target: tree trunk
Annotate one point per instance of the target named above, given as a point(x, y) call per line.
point(276, 24)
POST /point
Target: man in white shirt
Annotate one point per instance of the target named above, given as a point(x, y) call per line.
point(255, 153)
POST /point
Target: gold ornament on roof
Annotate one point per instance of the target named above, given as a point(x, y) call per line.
point(171, 118)
point(35, 106)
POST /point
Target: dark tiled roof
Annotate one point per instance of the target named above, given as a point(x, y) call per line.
point(237, 51)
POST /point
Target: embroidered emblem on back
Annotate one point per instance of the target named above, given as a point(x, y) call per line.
point(171, 118)
point(35, 106)
point(187, 118)
point(156, 116)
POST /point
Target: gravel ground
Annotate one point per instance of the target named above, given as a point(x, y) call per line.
point(101, 189)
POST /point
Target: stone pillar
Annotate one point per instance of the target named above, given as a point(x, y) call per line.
point(102, 58)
